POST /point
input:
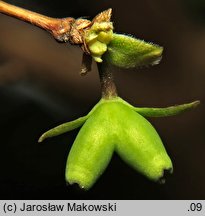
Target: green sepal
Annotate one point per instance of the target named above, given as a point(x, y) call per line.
point(68, 126)
point(116, 126)
point(63, 128)
point(128, 52)
point(167, 111)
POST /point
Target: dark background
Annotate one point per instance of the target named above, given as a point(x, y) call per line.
point(40, 87)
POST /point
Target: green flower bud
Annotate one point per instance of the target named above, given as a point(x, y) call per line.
point(115, 125)
point(105, 37)
point(97, 38)
point(97, 48)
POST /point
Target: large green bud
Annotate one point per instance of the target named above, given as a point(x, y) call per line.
point(114, 125)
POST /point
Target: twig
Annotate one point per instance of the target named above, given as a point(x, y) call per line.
point(59, 28)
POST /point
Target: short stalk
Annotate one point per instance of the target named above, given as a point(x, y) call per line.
point(108, 87)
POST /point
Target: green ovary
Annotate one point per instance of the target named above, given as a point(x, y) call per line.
point(115, 126)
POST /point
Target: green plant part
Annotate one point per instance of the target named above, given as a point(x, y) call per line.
point(129, 52)
point(117, 49)
point(97, 37)
point(115, 125)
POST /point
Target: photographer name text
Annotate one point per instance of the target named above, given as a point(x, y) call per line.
point(70, 206)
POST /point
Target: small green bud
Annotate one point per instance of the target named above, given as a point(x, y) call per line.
point(97, 38)
point(97, 48)
point(97, 58)
point(128, 52)
point(105, 37)
point(101, 26)
point(90, 37)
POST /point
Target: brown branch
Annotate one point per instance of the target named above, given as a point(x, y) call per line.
point(59, 28)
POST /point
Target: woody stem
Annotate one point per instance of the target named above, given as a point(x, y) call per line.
point(108, 87)
point(59, 28)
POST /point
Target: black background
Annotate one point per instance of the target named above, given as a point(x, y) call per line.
point(40, 87)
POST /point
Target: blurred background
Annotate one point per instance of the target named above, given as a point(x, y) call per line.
point(40, 87)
